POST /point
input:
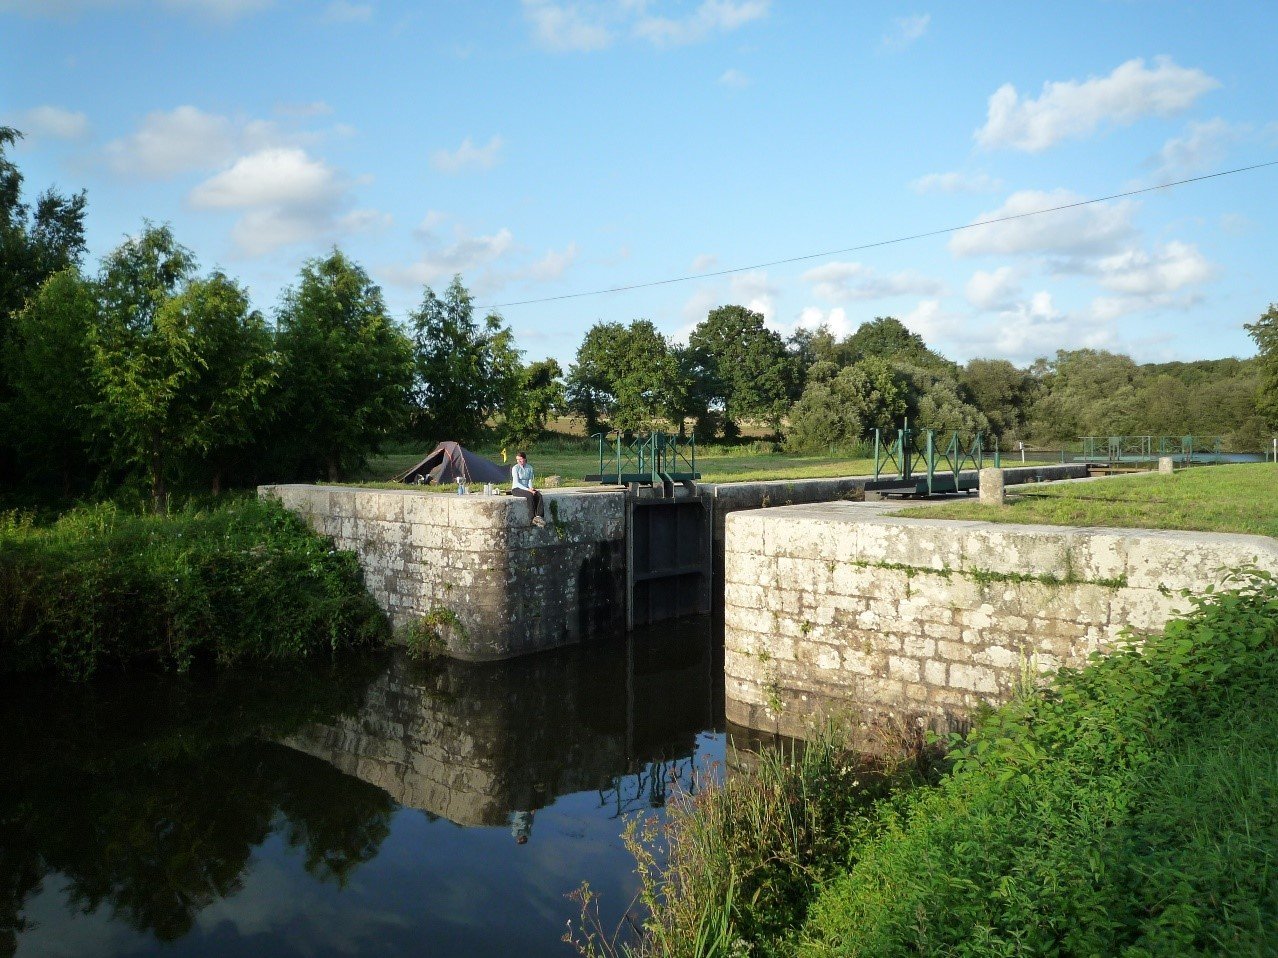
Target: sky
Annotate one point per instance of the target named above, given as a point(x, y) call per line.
point(547, 148)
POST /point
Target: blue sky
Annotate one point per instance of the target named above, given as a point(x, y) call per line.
point(544, 148)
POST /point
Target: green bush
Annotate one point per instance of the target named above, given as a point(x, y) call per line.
point(245, 580)
point(1130, 809)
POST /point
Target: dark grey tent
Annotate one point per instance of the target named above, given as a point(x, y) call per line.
point(448, 461)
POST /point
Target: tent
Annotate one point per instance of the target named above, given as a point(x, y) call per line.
point(448, 461)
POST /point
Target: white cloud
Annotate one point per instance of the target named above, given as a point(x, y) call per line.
point(905, 30)
point(183, 139)
point(993, 290)
point(274, 176)
point(1171, 267)
point(467, 156)
point(53, 122)
point(1202, 147)
point(755, 292)
point(314, 108)
point(566, 27)
point(705, 262)
point(553, 265)
point(1095, 229)
point(710, 17)
point(734, 79)
point(839, 282)
point(343, 11)
point(464, 254)
point(220, 9)
point(1072, 108)
point(956, 183)
point(836, 321)
point(286, 197)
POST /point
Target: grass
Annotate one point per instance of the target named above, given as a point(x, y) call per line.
point(1126, 809)
point(1227, 498)
point(103, 588)
point(570, 458)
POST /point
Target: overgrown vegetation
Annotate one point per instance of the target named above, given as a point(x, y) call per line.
point(1228, 498)
point(102, 588)
point(1127, 808)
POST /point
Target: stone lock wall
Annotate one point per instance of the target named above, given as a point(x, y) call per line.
point(845, 609)
point(512, 587)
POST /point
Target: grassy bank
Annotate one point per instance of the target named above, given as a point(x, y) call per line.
point(571, 458)
point(104, 588)
point(1126, 809)
point(1232, 498)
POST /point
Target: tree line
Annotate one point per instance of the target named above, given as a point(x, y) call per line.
point(151, 367)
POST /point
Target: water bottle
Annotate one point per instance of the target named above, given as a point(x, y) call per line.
point(459, 485)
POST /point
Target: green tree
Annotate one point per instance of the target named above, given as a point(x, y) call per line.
point(889, 338)
point(49, 359)
point(144, 358)
point(345, 369)
point(464, 373)
point(628, 374)
point(1002, 392)
point(749, 370)
point(840, 410)
point(539, 392)
point(1265, 332)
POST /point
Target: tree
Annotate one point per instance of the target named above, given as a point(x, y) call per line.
point(839, 410)
point(34, 244)
point(226, 402)
point(144, 359)
point(464, 374)
point(182, 370)
point(1265, 332)
point(346, 369)
point(539, 392)
point(1001, 392)
point(48, 357)
point(749, 371)
point(628, 374)
point(889, 338)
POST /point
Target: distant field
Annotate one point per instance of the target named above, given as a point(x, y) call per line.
point(1234, 498)
point(715, 463)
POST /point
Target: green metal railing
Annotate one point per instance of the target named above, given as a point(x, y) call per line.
point(925, 465)
point(652, 459)
point(1142, 449)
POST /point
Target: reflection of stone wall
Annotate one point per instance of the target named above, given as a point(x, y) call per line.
point(473, 742)
point(514, 588)
point(841, 608)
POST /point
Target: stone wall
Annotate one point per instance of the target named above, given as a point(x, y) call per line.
point(512, 587)
point(473, 742)
point(729, 497)
point(845, 608)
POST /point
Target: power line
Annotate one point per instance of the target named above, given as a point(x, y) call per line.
point(887, 242)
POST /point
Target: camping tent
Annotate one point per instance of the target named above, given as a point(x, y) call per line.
point(448, 461)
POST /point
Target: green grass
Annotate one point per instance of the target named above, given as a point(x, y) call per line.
point(1130, 808)
point(1229, 498)
point(103, 588)
point(567, 458)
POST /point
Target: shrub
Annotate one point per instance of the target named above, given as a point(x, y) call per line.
point(101, 587)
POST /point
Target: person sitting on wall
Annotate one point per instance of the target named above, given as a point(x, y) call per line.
point(521, 484)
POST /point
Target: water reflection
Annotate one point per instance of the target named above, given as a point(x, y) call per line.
point(280, 814)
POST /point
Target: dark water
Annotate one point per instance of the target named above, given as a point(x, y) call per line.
point(369, 807)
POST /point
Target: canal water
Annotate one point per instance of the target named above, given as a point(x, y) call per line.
point(368, 806)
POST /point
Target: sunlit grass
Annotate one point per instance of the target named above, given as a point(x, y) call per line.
point(1231, 498)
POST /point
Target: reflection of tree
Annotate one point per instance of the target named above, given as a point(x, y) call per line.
point(150, 797)
point(651, 786)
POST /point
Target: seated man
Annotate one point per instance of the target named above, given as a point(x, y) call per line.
point(521, 484)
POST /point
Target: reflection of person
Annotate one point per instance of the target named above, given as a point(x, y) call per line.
point(521, 826)
point(521, 484)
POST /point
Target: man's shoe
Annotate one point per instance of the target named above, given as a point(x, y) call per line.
point(538, 521)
